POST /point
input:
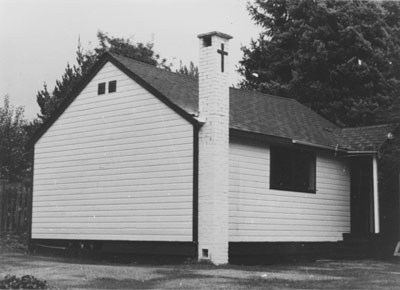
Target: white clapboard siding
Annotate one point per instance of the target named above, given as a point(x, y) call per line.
point(117, 166)
point(260, 214)
point(160, 212)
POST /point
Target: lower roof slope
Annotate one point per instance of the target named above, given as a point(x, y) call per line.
point(369, 138)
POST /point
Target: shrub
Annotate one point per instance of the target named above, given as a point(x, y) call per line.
point(25, 282)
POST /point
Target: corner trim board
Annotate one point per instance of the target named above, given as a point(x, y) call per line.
point(195, 226)
point(30, 201)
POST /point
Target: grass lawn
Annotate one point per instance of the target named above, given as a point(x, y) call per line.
point(61, 273)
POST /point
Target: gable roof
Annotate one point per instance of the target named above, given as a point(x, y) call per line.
point(250, 112)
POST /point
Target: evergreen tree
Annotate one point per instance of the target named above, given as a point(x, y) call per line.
point(191, 70)
point(341, 58)
point(47, 101)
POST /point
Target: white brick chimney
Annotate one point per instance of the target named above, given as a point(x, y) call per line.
point(213, 208)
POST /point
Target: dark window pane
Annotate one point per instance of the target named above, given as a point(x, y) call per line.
point(207, 41)
point(292, 170)
point(101, 88)
point(112, 86)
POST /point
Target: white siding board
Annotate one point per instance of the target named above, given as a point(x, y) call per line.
point(122, 127)
point(112, 237)
point(161, 180)
point(108, 129)
point(116, 195)
point(111, 201)
point(258, 194)
point(108, 113)
point(117, 188)
point(109, 225)
point(121, 96)
point(280, 215)
point(96, 170)
point(109, 152)
point(107, 107)
point(286, 219)
point(172, 203)
point(110, 117)
point(113, 145)
point(110, 231)
point(141, 141)
point(293, 209)
point(324, 228)
point(258, 213)
point(117, 166)
point(113, 175)
point(113, 219)
point(281, 236)
point(137, 214)
point(304, 203)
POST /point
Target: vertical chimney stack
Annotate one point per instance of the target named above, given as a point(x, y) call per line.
point(213, 207)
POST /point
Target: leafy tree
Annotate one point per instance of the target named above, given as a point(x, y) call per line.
point(341, 58)
point(49, 101)
point(14, 156)
point(122, 46)
point(191, 70)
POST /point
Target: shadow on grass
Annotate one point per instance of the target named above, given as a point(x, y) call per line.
point(110, 283)
point(344, 284)
point(342, 275)
point(173, 277)
point(260, 283)
point(368, 274)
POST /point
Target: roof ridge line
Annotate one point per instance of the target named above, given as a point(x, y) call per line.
point(371, 126)
point(263, 94)
point(195, 79)
point(153, 66)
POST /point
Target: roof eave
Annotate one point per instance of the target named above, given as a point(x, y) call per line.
point(336, 148)
point(327, 147)
point(70, 98)
point(184, 114)
point(236, 132)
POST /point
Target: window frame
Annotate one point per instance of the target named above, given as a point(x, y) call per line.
point(112, 84)
point(101, 88)
point(294, 157)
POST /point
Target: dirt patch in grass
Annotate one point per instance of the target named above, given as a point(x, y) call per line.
point(13, 242)
point(62, 273)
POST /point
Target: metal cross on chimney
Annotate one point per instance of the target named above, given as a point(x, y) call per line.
point(222, 52)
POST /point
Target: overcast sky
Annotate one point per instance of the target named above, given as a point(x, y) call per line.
point(38, 38)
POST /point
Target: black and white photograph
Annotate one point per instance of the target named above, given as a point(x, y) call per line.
point(200, 144)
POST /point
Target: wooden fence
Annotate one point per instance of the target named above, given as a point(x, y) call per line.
point(14, 208)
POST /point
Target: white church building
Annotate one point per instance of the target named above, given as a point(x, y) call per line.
point(147, 160)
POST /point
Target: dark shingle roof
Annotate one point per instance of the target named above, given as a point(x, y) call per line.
point(277, 116)
point(180, 89)
point(364, 138)
point(261, 113)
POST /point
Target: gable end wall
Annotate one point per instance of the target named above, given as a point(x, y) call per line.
point(117, 166)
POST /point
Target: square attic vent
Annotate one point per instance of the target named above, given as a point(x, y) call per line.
point(112, 86)
point(101, 88)
point(207, 41)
